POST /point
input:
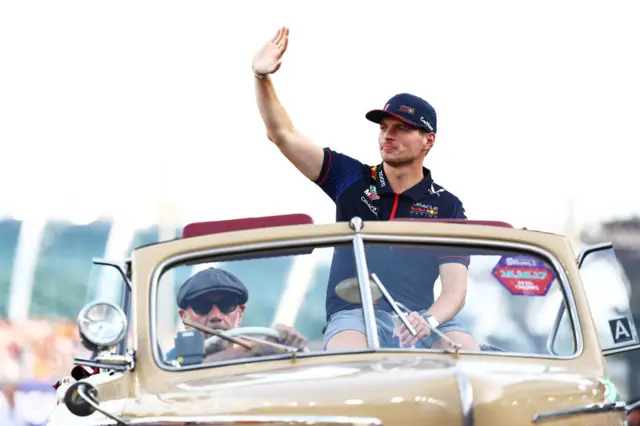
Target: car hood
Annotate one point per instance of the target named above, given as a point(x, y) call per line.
point(397, 390)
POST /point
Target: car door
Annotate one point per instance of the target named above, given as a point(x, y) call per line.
point(613, 303)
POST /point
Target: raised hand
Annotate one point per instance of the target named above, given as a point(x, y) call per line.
point(268, 59)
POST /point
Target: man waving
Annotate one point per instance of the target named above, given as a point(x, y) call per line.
point(398, 187)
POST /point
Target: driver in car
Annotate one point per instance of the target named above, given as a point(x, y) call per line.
point(216, 298)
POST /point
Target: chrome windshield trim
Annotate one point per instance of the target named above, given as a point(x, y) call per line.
point(466, 398)
point(551, 340)
point(562, 277)
point(167, 263)
point(633, 406)
point(561, 309)
point(583, 409)
point(590, 248)
point(125, 299)
point(253, 419)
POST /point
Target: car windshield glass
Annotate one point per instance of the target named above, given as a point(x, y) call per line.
point(502, 300)
point(309, 299)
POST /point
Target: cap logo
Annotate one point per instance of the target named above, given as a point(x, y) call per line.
point(426, 123)
point(408, 110)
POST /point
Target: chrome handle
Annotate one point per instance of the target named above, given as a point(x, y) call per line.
point(585, 409)
point(297, 420)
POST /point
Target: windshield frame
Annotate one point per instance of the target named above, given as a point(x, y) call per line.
point(358, 240)
point(124, 270)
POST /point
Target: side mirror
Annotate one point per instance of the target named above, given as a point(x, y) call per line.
point(77, 399)
point(81, 399)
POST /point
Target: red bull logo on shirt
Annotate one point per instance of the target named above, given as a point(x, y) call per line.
point(423, 210)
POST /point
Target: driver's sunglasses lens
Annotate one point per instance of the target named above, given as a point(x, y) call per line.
point(203, 307)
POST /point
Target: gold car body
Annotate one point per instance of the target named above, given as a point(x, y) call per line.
point(369, 387)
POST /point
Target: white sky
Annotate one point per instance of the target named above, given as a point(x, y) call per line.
point(130, 103)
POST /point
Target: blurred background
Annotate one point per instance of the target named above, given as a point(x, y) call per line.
point(121, 122)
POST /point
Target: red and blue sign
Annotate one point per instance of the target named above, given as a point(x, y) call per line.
point(524, 275)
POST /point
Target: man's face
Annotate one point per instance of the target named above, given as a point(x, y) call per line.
point(402, 143)
point(217, 310)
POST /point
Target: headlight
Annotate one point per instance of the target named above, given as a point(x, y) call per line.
point(101, 325)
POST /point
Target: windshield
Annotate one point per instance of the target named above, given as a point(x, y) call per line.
point(487, 299)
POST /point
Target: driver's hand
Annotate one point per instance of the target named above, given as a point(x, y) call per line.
point(214, 345)
point(290, 337)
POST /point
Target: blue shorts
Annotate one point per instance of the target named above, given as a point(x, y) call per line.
point(354, 320)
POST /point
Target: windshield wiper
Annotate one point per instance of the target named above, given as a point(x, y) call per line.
point(394, 305)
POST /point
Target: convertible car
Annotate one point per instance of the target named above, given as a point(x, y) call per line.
point(191, 331)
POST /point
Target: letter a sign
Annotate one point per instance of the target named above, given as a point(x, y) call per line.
point(621, 330)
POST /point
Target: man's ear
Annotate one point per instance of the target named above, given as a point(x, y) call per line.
point(241, 309)
point(182, 313)
point(428, 140)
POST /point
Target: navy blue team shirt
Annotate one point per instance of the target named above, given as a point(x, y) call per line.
point(362, 190)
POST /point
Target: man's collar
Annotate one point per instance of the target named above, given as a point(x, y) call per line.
point(416, 192)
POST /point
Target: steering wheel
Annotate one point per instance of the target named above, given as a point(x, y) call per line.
point(252, 331)
point(214, 341)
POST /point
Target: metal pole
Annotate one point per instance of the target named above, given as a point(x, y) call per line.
point(371, 329)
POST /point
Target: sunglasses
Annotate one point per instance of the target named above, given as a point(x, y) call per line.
point(203, 306)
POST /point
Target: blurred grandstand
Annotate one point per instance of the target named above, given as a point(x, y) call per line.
point(45, 266)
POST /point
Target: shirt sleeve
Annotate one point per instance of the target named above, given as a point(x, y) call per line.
point(339, 171)
point(451, 256)
point(458, 210)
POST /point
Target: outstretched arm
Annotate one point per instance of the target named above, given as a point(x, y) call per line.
point(305, 155)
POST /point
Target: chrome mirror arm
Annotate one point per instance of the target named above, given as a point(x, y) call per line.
point(110, 361)
point(118, 266)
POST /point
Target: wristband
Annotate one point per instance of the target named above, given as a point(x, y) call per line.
point(433, 322)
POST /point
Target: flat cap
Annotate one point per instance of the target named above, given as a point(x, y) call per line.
point(208, 280)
